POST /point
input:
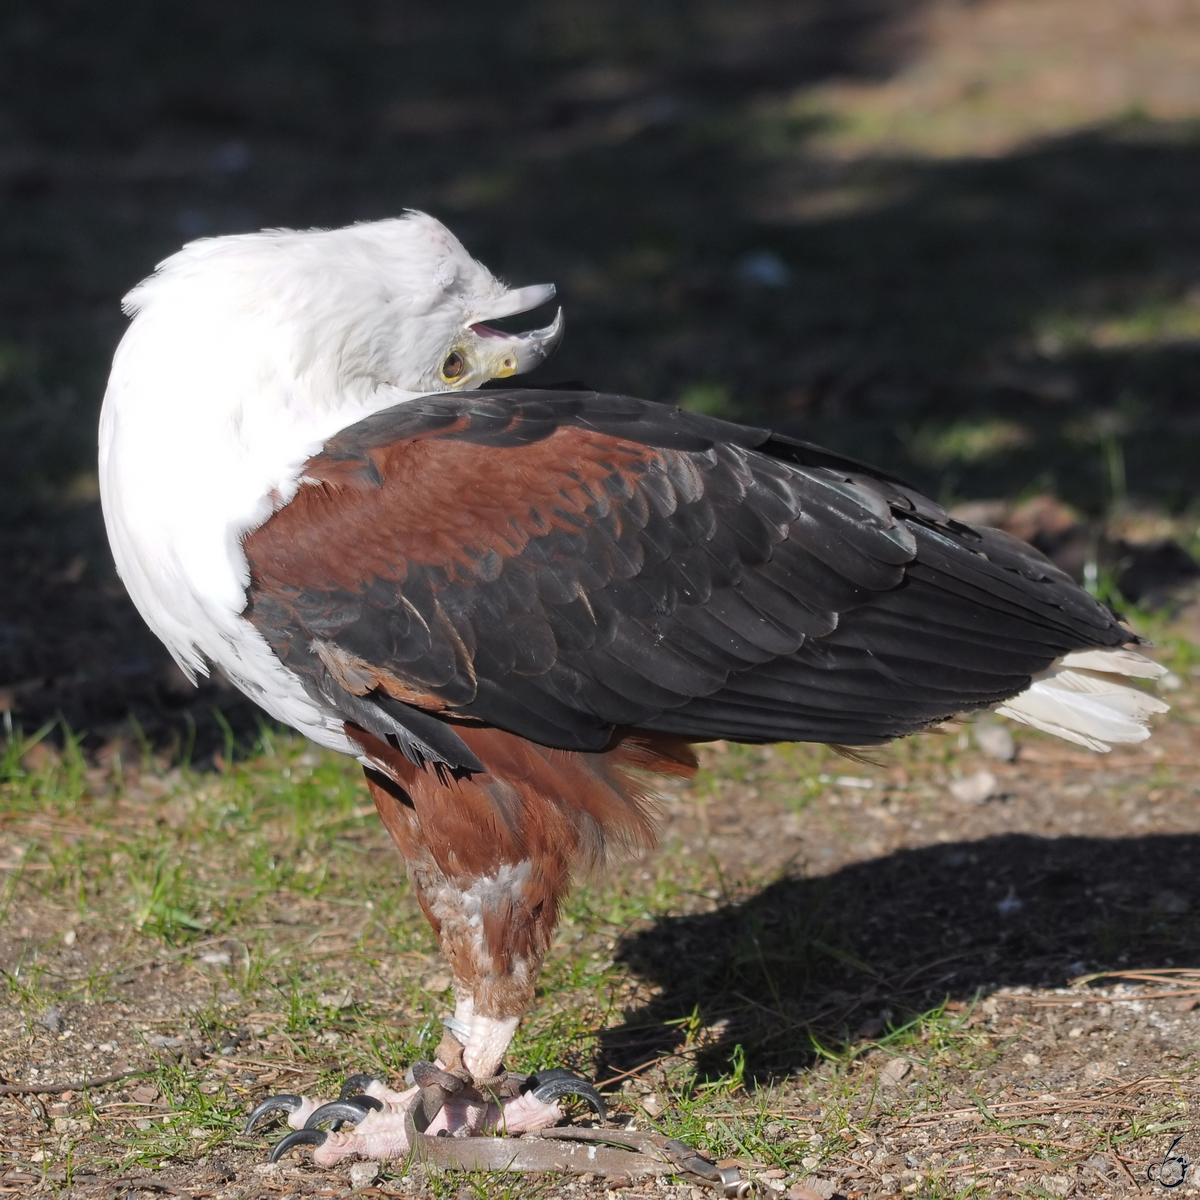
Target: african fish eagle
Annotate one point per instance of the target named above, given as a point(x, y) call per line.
point(511, 605)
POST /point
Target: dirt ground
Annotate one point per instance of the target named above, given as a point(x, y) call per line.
point(848, 901)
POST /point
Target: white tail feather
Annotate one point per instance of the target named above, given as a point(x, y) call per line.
point(1081, 698)
point(1114, 662)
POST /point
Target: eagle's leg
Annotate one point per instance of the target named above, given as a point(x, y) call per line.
point(494, 914)
point(490, 856)
point(493, 908)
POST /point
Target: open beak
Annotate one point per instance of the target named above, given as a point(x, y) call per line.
point(503, 354)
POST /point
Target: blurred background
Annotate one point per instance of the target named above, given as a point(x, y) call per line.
point(959, 238)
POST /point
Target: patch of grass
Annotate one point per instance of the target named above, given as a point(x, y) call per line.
point(1153, 322)
point(967, 441)
point(710, 398)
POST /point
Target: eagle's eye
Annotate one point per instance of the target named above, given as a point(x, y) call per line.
point(454, 366)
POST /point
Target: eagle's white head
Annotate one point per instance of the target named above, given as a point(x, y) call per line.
point(245, 354)
point(397, 303)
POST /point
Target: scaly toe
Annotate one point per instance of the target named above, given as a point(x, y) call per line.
point(523, 1114)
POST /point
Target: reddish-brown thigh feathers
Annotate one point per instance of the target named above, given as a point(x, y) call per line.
point(491, 855)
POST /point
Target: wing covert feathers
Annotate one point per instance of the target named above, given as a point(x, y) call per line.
point(564, 565)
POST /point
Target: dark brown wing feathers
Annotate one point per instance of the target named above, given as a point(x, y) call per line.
point(564, 565)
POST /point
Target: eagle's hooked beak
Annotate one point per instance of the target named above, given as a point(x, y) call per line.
point(521, 352)
point(488, 353)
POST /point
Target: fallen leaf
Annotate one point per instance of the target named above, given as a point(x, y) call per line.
point(812, 1189)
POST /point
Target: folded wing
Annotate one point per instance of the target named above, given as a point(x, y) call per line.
point(559, 565)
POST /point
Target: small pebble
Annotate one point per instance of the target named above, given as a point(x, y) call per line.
point(995, 741)
point(52, 1018)
point(777, 1131)
point(974, 789)
point(231, 1041)
point(872, 1027)
point(1174, 903)
point(763, 268)
point(363, 1174)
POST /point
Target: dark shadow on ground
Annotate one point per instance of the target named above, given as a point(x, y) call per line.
point(642, 156)
point(809, 958)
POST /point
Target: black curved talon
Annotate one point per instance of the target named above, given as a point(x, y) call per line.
point(302, 1137)
point(355, 1086)
point(361, 1101)
point(284, 1102)
point(338, 1111)
point(556, 1082)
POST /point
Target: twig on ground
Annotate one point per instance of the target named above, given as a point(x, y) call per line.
point(634, 1070)
point(152, 1183)
point(1059, 1001)
point(1150, 974)
point(8, 1088)
point(56, 1089)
